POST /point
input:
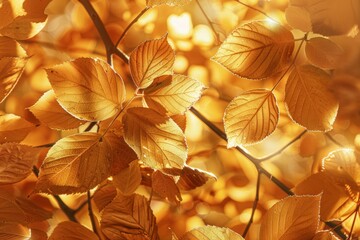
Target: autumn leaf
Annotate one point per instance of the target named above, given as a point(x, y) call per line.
point(129, 218)
point(211, 233)
point(308, 99)
point(256, 50)
point(155, 138)
point(87, 88)
point(152, 3)
point(14, 231)
point(176, 93)
point(72, 230)
point(129, 179)
point(9, 10)
point(10, 212)
point(292, 217)
point(250, 117)
point(324, 235)
point(33, 212)
point(150, 60)
point(75, 164)
point(103, 195)
point(16, 162)
point(49, 112)
point(165, 186)
point(298, 18)
point(14, 128)
point(10, 48)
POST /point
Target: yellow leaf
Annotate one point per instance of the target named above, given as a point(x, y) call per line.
point(14, 231)
point(211, 233)
point(104, 195)
point(256, 50)
point(324, 235)
point(11, 69)
point(49, 112)
point(10, 212)
point(155, 138)
point(165, 186)
point(76, 163)
point(175, 93)
point(323, 53)
point(129, 179)
point(151, 3)
point(10, 48)
point(308, 99)
point(298, 18)
point(14, 128)
point(87, 88)
point(150, 60)
point(250, 117)
point(72, 231)
point(9, 10)
point(191, 178)
point(130, 218)
point(291, 218)
point(16, 162)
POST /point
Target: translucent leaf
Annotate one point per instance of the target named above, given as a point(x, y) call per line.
point(292, 217)
point(72, 230)
point(87, 88)
point(129, 218)
point(10, 212)
point(152, 3)
point(298, 18)
point(211, 233)
point(10, 48)
point(16, 162)
point(11, 69)
point(325, 235)
point(104, 195)
point(175, 93)
point(49, 112)
point(33, 212)
point(155, 138)
point(256, 50)
point(14, 231)
point(308, 99)
point(250, 117)
point(323, 53)
point(165, 186)
point(14, 128)
point(150, 60)
point(129, 179)
point(75, 164)
point(9, 10)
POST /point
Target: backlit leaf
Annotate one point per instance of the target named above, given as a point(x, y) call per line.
point(16, 162)
point(75, 164)
point(292, 217)
point(324, 235)
point(9, 10)
point(298, 18)
point(10, 212)
point(165, 186)
point(308, 99)
point(129, 218)
point(11, 69)
point(155, 138)
point(152, 3)
point(175, 93)
point(33, 212)
point(87, 88)
point(49, 112)
point(71, 230)
point(211, 233)
point(129, 179)
point(323, 53)
point(10, 48)
point(13, 128)
point(250, 117)
point(14, 231)
point(191, 178)
point(104, 195)
point(150, 60)
point(256, 50)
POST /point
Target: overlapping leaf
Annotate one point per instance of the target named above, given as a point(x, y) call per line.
point(72, 230)
point(9, 10)
point(211, 233)
point(10, 212)
point(292, 217)
point(175, 93)
point(10, 48)
point(14, 128)
point(14, 231)
point(256, 50)
point(165, 186)
point(152, 3)
point(103, 195)
point(150, 60)
point(308, 99)
point(129, 179)
point(87, 88)
point(129, 218)
point(155, 138)
point(251, 117)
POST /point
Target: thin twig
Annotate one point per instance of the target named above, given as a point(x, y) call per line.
point(254, 207)
point(210, 22)
point(91, 213)
point(353, 223)
point(257, 10)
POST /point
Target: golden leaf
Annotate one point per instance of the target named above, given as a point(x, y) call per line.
point(323, 52)
point(104, 195)
point(11, 69)
point(211, 233)
point(250, 117)
point(75, 164)
point(191, 178)
point(324, 235)
point(150, 60)
point(72, 230)
point(10, 48)
point(33, 212)
point(256, 50)
point(9, 10)
point(157, 140)
point(152, 3)
point(175, 93)
point(16, 162)
point(308, 99)
point(165, 186)
point(129, 218)
point(298, 18)
point(87, 88)
point(129, 179)
point(14, 128)
point(10, 212)
point(14, 231)
point(180, 120)
point(49, 112)
point(292, 217)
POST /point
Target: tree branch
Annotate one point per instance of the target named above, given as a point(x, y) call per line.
point(91, 213)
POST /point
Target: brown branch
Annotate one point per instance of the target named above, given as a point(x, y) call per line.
point(91, 213)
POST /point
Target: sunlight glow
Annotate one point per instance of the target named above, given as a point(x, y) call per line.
point(203, 36)
point(180, 26)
